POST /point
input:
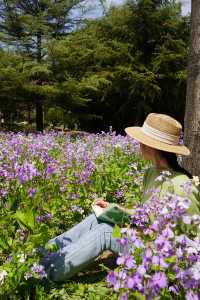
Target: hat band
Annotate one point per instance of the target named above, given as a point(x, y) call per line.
point(160, 135)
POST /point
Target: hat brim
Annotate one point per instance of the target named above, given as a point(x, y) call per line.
point(138, 134)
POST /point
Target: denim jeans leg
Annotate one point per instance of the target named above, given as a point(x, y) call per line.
point(73, 234)
point(77, 256)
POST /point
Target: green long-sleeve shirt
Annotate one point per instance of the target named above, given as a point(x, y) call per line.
point(173, 185)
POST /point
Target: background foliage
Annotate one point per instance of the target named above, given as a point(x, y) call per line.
point(111, 71)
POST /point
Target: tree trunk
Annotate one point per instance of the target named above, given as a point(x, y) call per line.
point(29, 113)
point(39, 102)
point(192, 112)
point(39, 116)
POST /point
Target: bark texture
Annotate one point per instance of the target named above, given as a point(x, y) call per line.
point(192, 112)
point(39, 102)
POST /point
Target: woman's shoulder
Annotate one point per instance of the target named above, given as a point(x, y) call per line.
point(183, 185)
point(150, 174)
point(151, 170)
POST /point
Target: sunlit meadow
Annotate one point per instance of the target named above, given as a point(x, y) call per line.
point(47, 184)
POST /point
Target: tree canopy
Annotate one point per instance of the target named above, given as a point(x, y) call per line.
point(112, 71)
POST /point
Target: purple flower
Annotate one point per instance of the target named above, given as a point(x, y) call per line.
point(123, 241)
point(122, 274)
point(3, 193)
point(48, 216)
point(39, 270)
point(187, 186)
point(31, 192)
point(195, 271)
point(40, 218)
point(141, 270)
point(155, 226)
point(77, 208)
point(158, 281)
point(159, 261)
point(126, 260)
point(26, 172)
point(117, 286)
point(130, 282)
point(50, 170)
point(179, 253)
point(190, 295)
point(148, 253)
point(187, 219)
point(119, 194)
point(174, 289)
point(168, 233)
point(124, 296)
point(160, 241)
point(112, 278)
point(134, 282)
point(9, 258)
point(163, 176)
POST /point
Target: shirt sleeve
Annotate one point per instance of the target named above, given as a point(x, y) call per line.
point(175, 186)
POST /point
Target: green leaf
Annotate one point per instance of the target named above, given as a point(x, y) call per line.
point(117, 232)
point(26, 218)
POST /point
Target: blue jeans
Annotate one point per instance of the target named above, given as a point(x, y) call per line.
point(78, 247)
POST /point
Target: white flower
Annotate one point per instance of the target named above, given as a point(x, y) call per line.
point(3, 274)
point(117, 145)
point(195, 180)
point(22, 257)
point(164, 211)
point(191, 250)
point(196, 219)
point(166, 173)
point(187, 219)
point(185, 203)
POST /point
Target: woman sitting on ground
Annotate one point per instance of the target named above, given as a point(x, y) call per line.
point(77, 248)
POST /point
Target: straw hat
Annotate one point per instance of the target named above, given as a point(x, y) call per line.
point(161, 132)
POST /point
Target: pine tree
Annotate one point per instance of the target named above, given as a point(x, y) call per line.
point(27, 26)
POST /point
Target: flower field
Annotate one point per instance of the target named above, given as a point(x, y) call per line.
point(47, 184)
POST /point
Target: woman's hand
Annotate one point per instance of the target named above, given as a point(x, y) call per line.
point(100, 202)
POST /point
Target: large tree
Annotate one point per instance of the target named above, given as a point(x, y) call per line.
point(27, 26)
point(129, 63)
point(123, 66)
point(192, 113)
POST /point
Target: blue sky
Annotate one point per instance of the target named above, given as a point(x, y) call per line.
point(186, 6)
point(95, 9)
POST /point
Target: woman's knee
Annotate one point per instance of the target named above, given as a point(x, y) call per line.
point(106, 227)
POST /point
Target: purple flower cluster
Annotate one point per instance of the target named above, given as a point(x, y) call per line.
point(77, 208)
point(26, 172)
point(44, 218)
point(51, 175)
point(37, 271)
point(54, 157)
point(158, 257)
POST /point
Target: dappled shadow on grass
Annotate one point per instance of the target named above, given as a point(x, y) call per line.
point(87, 285)
point(97, 270)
